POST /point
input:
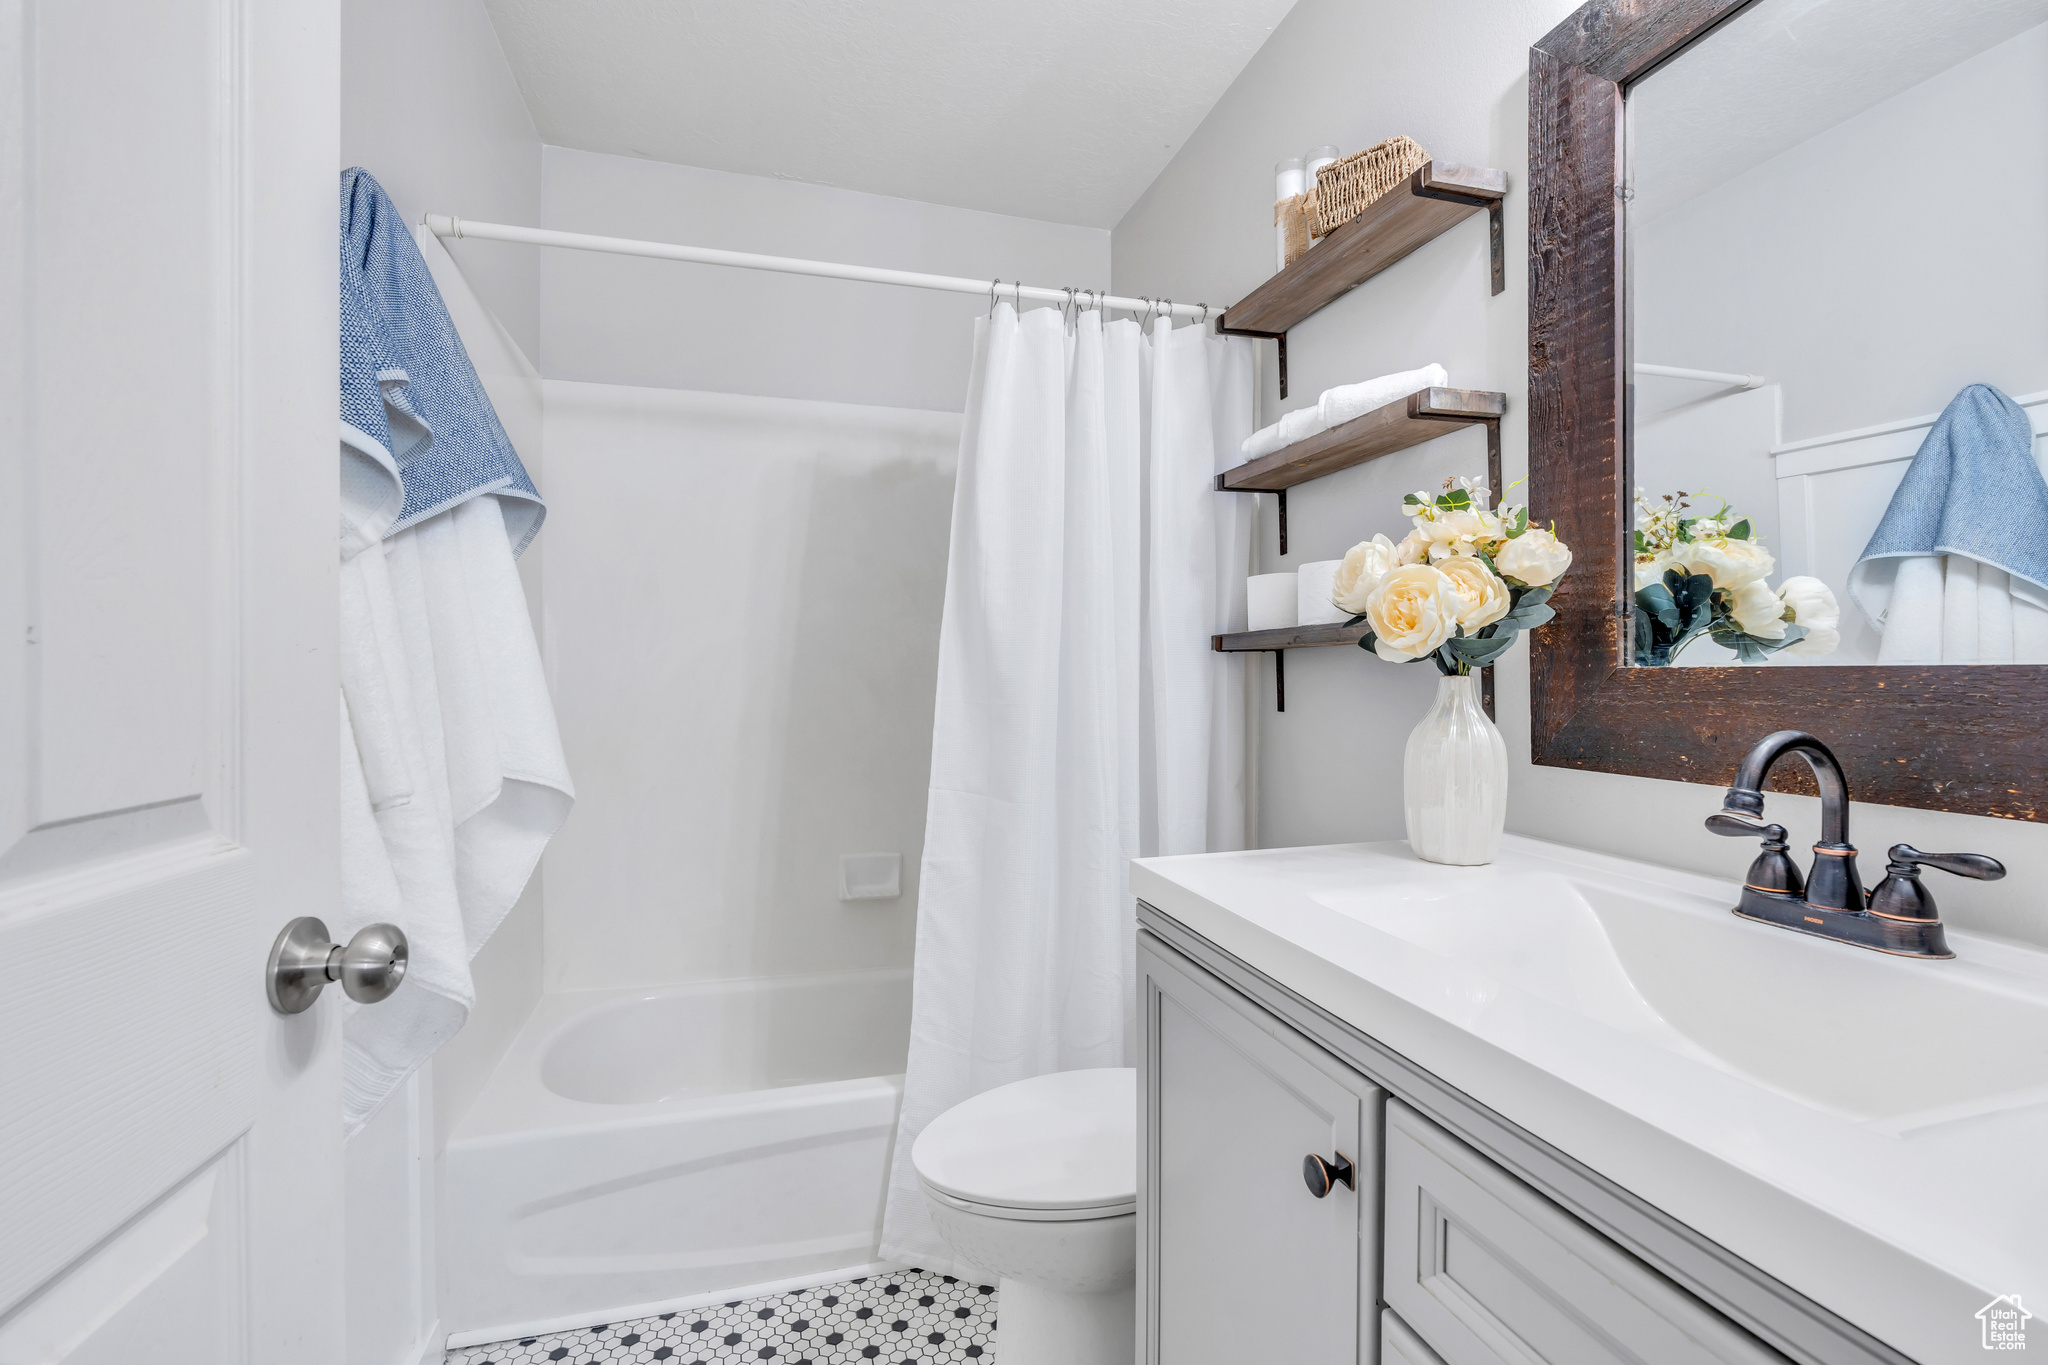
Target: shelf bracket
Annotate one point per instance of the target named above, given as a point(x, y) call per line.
point(1496, 232)
point(1283, 364)
point(1279, 680)
point(1282, 495)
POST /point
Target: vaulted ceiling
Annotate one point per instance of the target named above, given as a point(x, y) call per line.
point(1063, 110)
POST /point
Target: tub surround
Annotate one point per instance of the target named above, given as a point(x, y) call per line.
point(1863, 1129)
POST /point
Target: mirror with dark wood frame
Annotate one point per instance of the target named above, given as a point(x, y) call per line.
point(1619, 107)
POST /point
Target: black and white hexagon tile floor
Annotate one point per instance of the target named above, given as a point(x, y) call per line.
point(910, 1316)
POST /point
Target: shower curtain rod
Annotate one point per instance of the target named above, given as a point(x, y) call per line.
point(1741, 381)
point(447, 225)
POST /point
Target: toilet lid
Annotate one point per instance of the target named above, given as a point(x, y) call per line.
point(1064, 1141)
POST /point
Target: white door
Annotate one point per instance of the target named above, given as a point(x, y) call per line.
point(170, 1150)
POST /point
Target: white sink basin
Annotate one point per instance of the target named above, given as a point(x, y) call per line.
point(1857, 1033)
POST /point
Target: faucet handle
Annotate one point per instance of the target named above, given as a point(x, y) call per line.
point(1773, 869)
point(1976, 865)
point(1737, 824)
point(1901, 896)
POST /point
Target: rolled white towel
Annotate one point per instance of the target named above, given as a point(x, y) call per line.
point(1346, 401)
point(1298, 425)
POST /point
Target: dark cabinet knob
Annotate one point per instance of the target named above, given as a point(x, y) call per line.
point(1320, 1175)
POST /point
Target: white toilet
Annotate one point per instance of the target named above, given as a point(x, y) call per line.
point(1038, 1182)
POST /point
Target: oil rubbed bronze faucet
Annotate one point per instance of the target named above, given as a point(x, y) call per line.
point(1897, 918)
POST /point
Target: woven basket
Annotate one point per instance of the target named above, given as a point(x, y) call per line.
point(1344, 189)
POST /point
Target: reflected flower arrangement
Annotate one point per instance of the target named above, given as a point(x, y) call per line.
point(1707, 575)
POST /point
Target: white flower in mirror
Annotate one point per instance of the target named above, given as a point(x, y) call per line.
point(1811, 603)
point(1730, 563)
point(1758, 611)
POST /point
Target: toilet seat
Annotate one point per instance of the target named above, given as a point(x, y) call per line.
point(1056, 1148)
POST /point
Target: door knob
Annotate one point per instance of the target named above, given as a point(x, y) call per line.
point(1320, 1175)
point(304, 959)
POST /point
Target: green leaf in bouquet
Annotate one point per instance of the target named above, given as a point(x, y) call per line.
point(1354, 621)
point(1642, 546)
point(1528, 618)
point(1475, 653)
point(1741, 530)
point(1695, 598)
point(1454, 500)
point(1529, 597)
point(1410, 500)
point(1655, 603)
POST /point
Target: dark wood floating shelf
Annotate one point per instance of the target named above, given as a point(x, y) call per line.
point(1421, 416)
point(1310, 637)
point(1435, 199)
point(1288, 637)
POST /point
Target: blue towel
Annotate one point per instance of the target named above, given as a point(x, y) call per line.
point(1974, 490)
point(407, 387)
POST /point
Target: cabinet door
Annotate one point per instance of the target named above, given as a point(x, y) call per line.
point(1241, 1261)
point(1489, 1272)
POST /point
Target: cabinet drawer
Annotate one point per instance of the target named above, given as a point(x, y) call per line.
point(1400, 1346)
point(1240, 1261)
point(1487, 1271)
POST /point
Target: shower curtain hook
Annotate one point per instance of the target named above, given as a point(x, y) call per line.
point(1167, 313)
point(1017, 296)
point(993, 285)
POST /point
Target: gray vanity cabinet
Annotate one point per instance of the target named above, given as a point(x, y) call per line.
point(1435, 1255)
point(1240, 1262)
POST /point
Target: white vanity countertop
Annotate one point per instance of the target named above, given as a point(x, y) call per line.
point(1871, 1130)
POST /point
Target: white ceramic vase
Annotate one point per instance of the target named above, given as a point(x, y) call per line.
point(1455, 779)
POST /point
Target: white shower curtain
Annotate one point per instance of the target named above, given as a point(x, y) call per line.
point(1082, 718)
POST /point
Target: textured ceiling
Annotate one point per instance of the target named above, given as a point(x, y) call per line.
point(1785, 70)
point(1062, 110)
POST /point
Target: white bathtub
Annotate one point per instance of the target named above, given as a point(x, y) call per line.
point(638, 1147)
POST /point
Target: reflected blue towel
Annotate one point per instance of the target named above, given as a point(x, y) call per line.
point(407, 387)
point(1973, 489)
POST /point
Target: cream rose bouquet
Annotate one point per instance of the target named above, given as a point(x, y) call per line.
point(1706, 575)
point(1458, 587)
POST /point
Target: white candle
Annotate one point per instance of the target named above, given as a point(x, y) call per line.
point(1289, 179)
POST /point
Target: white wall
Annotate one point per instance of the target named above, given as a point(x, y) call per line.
point(1843, 270)
point(429, 107)
point(743, 601)
point(1330, 767)
point(620, 320)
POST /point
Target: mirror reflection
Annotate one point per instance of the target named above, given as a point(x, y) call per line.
point(1838, 324)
